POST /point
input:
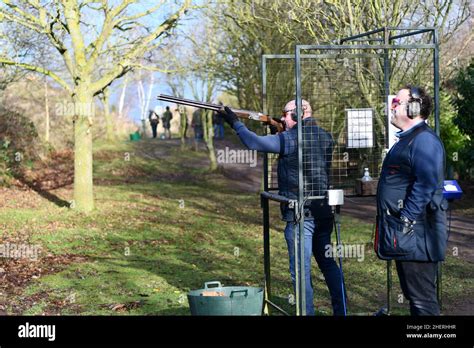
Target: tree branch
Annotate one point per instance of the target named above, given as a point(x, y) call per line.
point(37, 69)
point(23, 14)
point(155, 69)
point(143, 46)
point(138, 15)
point(72, 15)
point(22, 21)
point(108, 26)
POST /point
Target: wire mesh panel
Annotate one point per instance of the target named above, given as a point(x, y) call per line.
point(348, 89)
point(415, 67)
point(345, 89)
point(278, 82)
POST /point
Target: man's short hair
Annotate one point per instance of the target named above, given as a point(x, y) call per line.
point(426, 101)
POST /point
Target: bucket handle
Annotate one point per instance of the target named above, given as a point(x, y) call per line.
point(235, 291)
point(217, 283)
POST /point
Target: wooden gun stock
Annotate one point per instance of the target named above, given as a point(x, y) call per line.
point(251, 115)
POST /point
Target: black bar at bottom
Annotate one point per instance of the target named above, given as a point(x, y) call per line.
point(133, 331)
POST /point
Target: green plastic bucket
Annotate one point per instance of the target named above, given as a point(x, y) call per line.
point(135, 136)
point(236, 300)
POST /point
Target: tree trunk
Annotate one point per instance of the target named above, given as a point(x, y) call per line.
point(46, 111)
point(148, 97)
point(141, 98)
point(209, 138)
point(109, 122)
point(83, 184)
point(122, 98)
point(183, 126)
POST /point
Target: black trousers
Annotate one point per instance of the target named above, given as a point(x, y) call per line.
point(418, 282)
point(153, 128)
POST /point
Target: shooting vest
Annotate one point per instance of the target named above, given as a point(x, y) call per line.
point(317, 155)
point(429, 239)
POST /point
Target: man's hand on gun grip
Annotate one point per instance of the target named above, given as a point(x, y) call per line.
point(273, 129)
point(229, 116)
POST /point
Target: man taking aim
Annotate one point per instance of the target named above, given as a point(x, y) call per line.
point(318, 219)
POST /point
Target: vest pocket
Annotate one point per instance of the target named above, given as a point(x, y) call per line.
point(395, 242)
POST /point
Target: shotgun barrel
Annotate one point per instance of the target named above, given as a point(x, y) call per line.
point(252, 115)
point(189, 102)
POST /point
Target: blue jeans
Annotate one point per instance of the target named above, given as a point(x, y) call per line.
point(317, 236)
point(198, 133)
point(219, 131)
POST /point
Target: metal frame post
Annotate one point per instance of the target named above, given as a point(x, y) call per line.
point(437, 129)
point(266, 252)
point(300, 277)
point(265, 205)
point(266, 196)
point(386, 73)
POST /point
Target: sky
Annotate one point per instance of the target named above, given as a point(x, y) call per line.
point(160, 86)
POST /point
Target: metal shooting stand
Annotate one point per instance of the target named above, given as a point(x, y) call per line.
point(329, 76)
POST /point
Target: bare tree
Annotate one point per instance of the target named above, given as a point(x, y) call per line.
point(83, 32)
point(193, 59)
point(255, 27)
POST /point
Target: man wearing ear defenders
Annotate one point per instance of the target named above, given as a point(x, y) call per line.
point(318, 220)
point(411, 210)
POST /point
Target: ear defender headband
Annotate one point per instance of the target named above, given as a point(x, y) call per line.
point(294, 115)
point(414, 103)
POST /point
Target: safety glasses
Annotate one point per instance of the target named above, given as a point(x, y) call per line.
point(396, 102)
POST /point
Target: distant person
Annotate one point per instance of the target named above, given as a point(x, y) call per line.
point(197, 126)
point(167, 116)
point(154, 120)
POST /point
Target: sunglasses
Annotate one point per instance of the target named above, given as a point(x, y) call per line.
point(396, 102)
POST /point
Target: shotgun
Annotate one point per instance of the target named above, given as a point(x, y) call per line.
point(251, 115)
